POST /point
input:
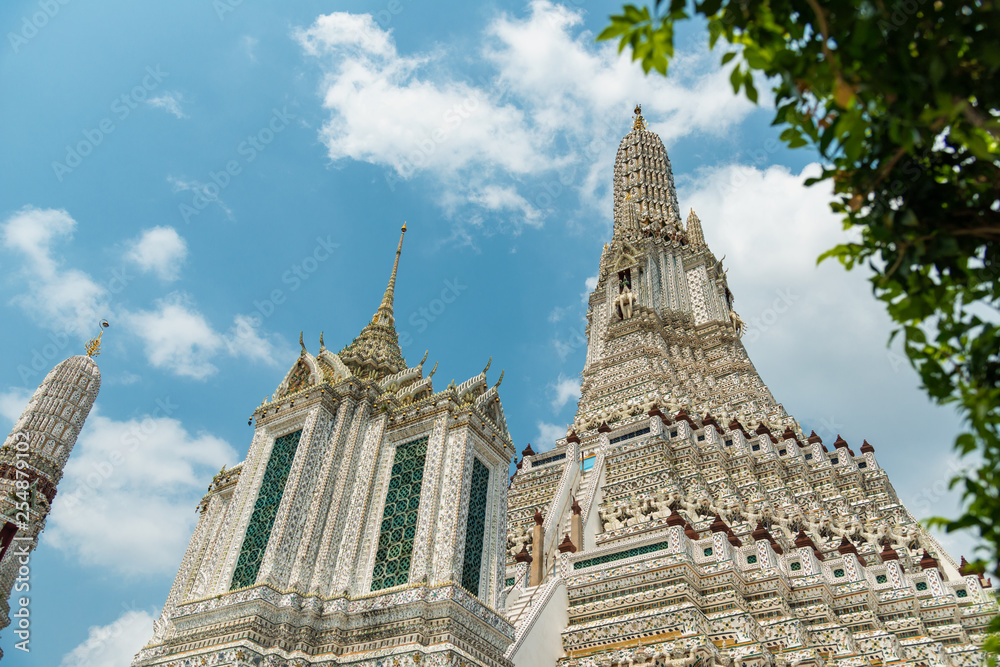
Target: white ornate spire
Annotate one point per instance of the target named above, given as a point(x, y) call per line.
point(35, 453)
point(694, 234)
point(644, 180)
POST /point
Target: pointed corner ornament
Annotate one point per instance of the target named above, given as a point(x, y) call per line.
point(93, 346)
point(302, 345)
point(426, 352)
point(322, 345)
point(433, 370)
point(497, 385)
point(489, 363)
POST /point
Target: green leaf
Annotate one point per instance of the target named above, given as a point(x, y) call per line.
point(736, 78)
point(750, 89)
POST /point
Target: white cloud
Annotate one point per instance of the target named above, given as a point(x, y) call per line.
point(123, 378)
point(547, 436)
point(565, 389)
point(208, 191)
point(160, 250)
point(771, 228)
point(575, 337)
point(126, 502)
point(250, 46)
point(244, 339)
point(62, 299)
point(13, 402)
point(179, 338)
point(554, 108)
point(498, 199)
point(112, 645)
point(170, 102)
point(589, 286)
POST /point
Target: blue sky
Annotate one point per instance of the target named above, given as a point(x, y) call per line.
point(214, 177)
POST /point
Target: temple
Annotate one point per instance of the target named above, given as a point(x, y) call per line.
point(685, 520)
point(368, 520)
point(32, 460)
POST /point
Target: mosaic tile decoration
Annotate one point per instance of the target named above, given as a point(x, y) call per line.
point(475, 526)
point(619, 555)
point(399, 519)
point(272, 487)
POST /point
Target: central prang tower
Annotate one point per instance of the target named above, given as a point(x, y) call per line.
point(365, 527)
point(661, 324)
point(686, 520)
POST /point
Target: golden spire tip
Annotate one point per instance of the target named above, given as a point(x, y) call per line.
point(93, 346)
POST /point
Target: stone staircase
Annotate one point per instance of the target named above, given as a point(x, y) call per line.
point(520, 608)
point(586, 479)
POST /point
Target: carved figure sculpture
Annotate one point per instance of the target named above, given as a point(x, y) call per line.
point(625, 302)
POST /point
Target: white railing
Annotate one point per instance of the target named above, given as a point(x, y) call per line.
point(530, 613)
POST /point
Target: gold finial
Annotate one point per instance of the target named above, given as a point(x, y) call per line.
point(302, 345)
point(322, 345)
point(384, 313)
point(93, 346)
point(639, 123)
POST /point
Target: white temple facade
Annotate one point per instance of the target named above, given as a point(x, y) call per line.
point(367, 523)
point(685, 520)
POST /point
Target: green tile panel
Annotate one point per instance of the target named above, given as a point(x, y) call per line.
point(475, 527)
point(265, 510)
point(619, 555)
point(399, 518)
